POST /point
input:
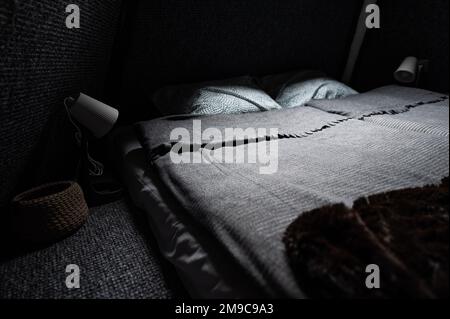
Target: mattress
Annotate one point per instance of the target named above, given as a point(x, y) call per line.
point(330, 151)
point(204, 272)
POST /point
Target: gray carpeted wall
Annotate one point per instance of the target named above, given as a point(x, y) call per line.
point(41, 62)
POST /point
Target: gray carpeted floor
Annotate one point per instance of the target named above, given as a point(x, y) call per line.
point(116, 256)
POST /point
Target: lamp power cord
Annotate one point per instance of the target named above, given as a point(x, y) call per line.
point(96, 168)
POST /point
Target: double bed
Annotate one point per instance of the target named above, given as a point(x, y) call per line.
point(221, 224)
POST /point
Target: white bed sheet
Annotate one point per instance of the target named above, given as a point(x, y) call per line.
point(177, 244)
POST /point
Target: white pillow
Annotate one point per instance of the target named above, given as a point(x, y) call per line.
point(238, 95)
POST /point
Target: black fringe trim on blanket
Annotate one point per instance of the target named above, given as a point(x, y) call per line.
point(403, 110)
point(166, 148)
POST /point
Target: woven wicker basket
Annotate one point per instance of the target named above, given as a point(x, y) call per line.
point(49, 212)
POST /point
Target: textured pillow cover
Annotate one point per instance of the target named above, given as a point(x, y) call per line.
point(238, 95)
point(297, 88)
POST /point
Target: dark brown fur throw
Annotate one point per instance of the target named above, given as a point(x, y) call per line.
point(405, 233)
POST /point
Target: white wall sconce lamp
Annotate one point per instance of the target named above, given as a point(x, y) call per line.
point(411, 70)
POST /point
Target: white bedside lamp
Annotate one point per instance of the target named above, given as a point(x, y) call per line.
point(99, 119)
point(94, 115)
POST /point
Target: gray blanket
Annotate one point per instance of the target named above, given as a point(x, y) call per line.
point(329, 152)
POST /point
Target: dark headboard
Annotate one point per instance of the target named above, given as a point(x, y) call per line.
point(176, 41)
